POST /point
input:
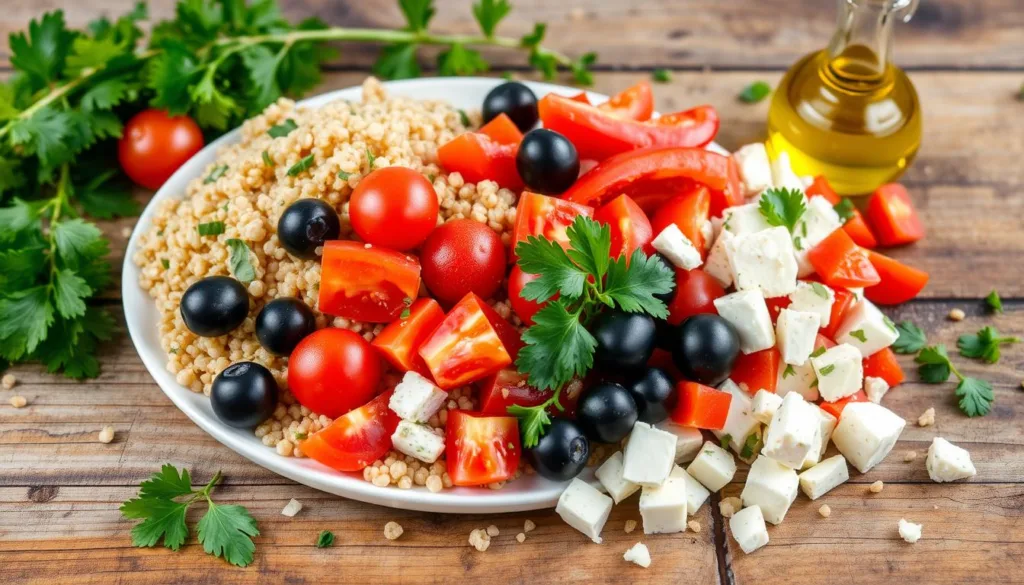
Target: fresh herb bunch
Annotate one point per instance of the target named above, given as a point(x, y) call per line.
point(587, 281)
point(219, 61)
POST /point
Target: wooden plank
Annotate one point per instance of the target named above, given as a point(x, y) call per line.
point(658, 33)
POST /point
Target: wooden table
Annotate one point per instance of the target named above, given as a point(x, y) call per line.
point(60, 488)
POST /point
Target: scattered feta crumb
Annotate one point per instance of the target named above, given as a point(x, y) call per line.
point(729, 506)
point(927, 418)
point(8, 381)
point(492, 530)
point(909, 531)
point(693, 525)
point(824, 511)
point(947, 462)
point(520, 538)
point(748, 529)
point(638, 554)
point(909, 456)
point(528, 526)
point(392, 530)
point(106, 435)
point(956, 315)
point(479, 539)
point(291, 508)
point(630, 526)
point(876, 488)
point(18, 401)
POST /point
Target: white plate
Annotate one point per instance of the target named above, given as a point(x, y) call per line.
point(527, 493)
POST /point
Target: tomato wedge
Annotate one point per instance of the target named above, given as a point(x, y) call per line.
point(472, 342)
point(883, 364)
point(775, 306)
point(400, 341)
point(840, 262)
point(540, 215)
point(489, 154)
point(509, 387)
point(366, 283)
point(689, 212)
point(633, 103)
point(701, 406)
point(628, 223)
point(502, 130)
point(836, 408)
point(696, 292)
point(356, 439)
point(481, 449)
point(893, 217)
point(653, 176)
point(841, 306)
point(821, 188)
point(859, 231)
point(599, 134)
point(900, 282)
point(756, 371)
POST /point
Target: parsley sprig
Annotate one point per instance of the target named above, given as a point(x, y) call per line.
point(225, 531)
point(782, 207)
point(935, 368)
point(984, 344)
point(911, 338)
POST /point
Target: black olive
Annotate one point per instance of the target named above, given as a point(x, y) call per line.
point(624, 340)
point(307, 224)
point(547, 162)
point(562, 453)
point(282, 323)
point(652, 392)
point(606, 413)
point(707, 348)
point(667, 297)
point(515, 100)
point(214, 306)
point(244, 395)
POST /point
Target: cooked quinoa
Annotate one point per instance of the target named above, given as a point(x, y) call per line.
point(345, 139)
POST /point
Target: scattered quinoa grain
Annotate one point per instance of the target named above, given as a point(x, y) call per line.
point(630, 526)
point(876, 488)
point(8, 381)
point(909, 456)
point(729, 506)
point(393, 530)
point(18, 401)
point(693, 525)
point(479, 539)
point(528, 526)
point(520, 538)
point(106, 435)
point(824, 511)
point(927, 418)
point(492, 530)
point(956, 315)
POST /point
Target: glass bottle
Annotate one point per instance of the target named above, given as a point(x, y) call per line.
point(846, 111)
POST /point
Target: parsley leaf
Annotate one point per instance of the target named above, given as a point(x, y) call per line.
point(241, 267)
point(820, 290)
point(755, 92)
point(859, 334)
point(789, 371)
point(558, 347)
point(557, 274)
point(398, 62)
point(283, 129)
point(300, 167)
point(211, 228)
point(724, 440)
point(488, 13)
point(535, 36)
point(975, 396)
point(984, 344)
point(994, 302)
point(325, 540)
point(935, 366)
point(911, 338)
point(460, 61)
point(845, 209)
point(580, 69)
point(532, 422)
point(749, 445)
point(827, 369)
point(632, 284)
point(782, 207)
point(227, 532)
point(417, 13)
point(217, 172)
point(661, 75)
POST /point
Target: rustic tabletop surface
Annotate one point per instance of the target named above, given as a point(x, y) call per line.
point(60, 488)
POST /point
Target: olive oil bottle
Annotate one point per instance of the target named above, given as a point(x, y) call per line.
point(846, 111)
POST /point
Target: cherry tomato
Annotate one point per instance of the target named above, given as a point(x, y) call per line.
point(481, 449)
point(630, 229)
point(400, 341)
point(366, 283)
point(154, 145)
point(523, 308)
point(356, 439)
point(689, 212)
point(333, 371)
point(540, 215)
point(696, 292)
point(460, 257)
point(394, 207)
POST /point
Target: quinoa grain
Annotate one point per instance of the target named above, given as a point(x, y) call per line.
point(528, 526)
point(520, 538)
point(824, 511)
point(877, 487)
point(630, 526)
point(106, 435)
point(18, 401)
point(8, 381)
point(492, 530)
point(927, 418)
point(393, 530)
point(957, 315)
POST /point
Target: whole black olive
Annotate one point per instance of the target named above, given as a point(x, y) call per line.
point(562, 453)
point(707, 348)
point(282, 323)
point(214, 306)
point(624, 340)
point(244, 395)
point(547, 162)
point(516, 101)
point(652, 392)
point(305, 225)
point(606, 413)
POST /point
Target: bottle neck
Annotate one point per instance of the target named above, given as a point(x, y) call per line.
point(861, 49)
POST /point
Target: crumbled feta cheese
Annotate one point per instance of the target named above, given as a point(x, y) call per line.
point(584, 508)
point(794, 431)
point(678, 248)
point(718, 264)
point(813, 297)
point(771, 486)
point(840, 372)
point(743, 220)
point(649, 456)
point(418, 440)
point(817, 222)
point(755, 168)
point(713, 467)
point(638, 554)
point(764, 261)
point(764, 405)
point(796, 332)
point(867, 329)
point(740, 422)
point(927, 417)
point(825, 476)
point(291, 508)
point(827, 424)
point(663, 508)
point(416, 398)
point(909, 531)
point(688, 440)
point(866, 433)
point(875, 388)
point(783, 175)
point(748, 529)
point(696, 494)
point(747, 311)
point(947, 462)
point(610, 476)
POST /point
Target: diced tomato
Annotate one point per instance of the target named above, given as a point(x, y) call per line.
point(633, 103)
point(400, 341)
point(696, 292)
point(502, 130)
point(663, 359)
point(841, 306)
point(599, 134)
point(821, 188)
point(580, 97)
point(653, 176)
point(822, 341)
point(900, 282)
point(701, 406)
point(472, 342)
point(540, 215)
point(629, 225)
point(882, 364)
point(836, 408)
point(355, 439)
point(775, 306)
point(840, 262)
point(859, 231)
point(481, 449)
point(688, 212)
point(893, 217)
point(509, 387)
point(489, 154)
point(756, 371)
point(366, 283)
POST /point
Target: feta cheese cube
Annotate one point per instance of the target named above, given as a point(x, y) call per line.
point(748, 529)
point(649, 455)
point(866, 433)
point(748, 313)
point(783, 175)
point(840, 372)
point(947, 462)
point(696, 494)
point(823, 477)
point(793, 432)
point(740, 422)
point(867, 329)
point(416, 398)
point(638, 554)
point(713, 467)
point(718, 264)
point(796, 332)
point(663, 508)
point(875, 388)
point(688, 440)
point(610, 476)
point(817, 222)
point(764, 261)
point(909, 531)
point(764, 405)
point(678, 248)
point(584, 508)
point(743, 220)
point(827, 424)
point(813, 297)
point(755, 168)
point(771, 486)
point(418, 440)
point(799, 379)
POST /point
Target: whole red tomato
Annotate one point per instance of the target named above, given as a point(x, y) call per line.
point(524, 309)
point(155, 144)
point(394, 207)
point(696, 292)
point(333, 371)
point(460, 257)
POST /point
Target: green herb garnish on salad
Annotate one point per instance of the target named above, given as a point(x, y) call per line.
point(782, 207)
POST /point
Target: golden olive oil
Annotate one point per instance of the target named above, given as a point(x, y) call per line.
point(847, 112)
